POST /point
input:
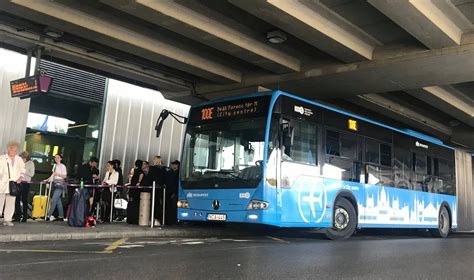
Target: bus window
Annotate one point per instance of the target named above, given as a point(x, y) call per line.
point(385, 155)
point(304, 148)
point(372, 151)
point(332, 143)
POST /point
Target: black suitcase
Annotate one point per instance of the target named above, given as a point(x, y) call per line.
point(133, 209)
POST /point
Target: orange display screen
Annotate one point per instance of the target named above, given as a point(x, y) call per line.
point(24, 87)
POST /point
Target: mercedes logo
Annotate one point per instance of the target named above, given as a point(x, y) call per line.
point(216, 204)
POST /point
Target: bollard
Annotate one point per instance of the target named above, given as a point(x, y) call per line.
point(153, 205)
point(164, 204)
point(144, 212)
point(112, 201)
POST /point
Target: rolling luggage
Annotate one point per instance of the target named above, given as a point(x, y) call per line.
point(39, 204)
point(79, 208)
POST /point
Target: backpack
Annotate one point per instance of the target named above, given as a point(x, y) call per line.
point(79, 208)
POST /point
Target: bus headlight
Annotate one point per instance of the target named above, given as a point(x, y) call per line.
point(257, 205)
point(183, 204)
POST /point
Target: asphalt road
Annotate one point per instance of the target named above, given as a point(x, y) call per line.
point(277, 256)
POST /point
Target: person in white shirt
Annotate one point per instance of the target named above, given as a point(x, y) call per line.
point(110, 179)
point(21, 210)
point(11, 169)
point(58, 179)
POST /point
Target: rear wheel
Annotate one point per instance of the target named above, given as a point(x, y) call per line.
point(444, 224)
point(344, 220)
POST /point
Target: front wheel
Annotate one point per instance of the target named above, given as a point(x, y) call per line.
point(344, 220)
point(444, 224)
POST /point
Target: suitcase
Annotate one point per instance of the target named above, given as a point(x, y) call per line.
point(39, 204)
point(79, 209)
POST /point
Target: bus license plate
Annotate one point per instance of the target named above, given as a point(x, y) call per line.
point(216, 217)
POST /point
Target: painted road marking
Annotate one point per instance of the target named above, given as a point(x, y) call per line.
point(277, 239)
point(115, 245)
point(51, 251)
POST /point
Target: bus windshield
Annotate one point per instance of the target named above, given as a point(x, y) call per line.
point(224, 155)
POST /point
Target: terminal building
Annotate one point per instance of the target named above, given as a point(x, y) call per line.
point(117, 64)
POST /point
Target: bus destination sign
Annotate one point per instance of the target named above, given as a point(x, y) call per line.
point(236, 109)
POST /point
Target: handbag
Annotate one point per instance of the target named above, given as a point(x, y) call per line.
point(14, 188)
point(120, 203)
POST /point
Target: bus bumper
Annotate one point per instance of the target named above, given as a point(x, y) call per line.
point(245, 216)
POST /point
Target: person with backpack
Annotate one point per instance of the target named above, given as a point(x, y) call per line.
point(58, 179)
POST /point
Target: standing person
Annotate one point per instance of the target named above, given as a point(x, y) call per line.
point(58, 179)
point(22, 212)
point(172, 182)
point(11, 169)
point(134, 178)
point(89, 173)
point(110, 179)
point(158, 173)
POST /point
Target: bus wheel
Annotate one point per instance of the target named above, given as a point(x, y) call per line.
point(444, 224)
point(345, 221)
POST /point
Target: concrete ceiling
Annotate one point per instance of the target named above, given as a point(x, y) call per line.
point(410, 61)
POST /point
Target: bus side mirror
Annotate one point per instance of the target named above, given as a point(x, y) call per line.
point(159, 123)
point(288, 135)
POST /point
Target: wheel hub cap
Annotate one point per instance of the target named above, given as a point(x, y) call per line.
point(341, 218)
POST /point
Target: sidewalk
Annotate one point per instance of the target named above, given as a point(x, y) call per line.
point(41, 230)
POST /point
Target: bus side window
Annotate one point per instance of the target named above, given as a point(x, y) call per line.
point(304, 146)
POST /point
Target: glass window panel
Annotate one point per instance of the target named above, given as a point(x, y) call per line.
point(350, 146)
point(420, 164)
point(372, 151)
point(385, 155)
point(332, 143)
point(304, 143)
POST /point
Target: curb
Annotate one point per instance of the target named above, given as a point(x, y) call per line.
point(158, 232)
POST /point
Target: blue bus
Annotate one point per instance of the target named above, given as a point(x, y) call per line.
point(278, 159)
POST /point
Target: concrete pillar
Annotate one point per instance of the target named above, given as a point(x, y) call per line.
point(13, 111)
point(465, 190)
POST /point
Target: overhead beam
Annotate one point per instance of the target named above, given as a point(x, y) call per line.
point(392, 109)
point(316, 24)
point(195, 63)
point(448, 100)
point(227, 37)
point(411, 71)
point(435, 23)
point(23, 39)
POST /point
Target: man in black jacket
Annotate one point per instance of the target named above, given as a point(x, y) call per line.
point(89, 173)
point(172, 182)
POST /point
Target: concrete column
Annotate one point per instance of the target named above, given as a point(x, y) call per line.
point(464, 190)
point(13, 111)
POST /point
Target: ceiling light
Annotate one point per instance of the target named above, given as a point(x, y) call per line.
point(55, 34)
point(276, 37)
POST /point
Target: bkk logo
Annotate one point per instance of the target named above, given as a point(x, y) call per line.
point(312, 203)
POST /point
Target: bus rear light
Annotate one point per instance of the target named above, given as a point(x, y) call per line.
point(257, 205)
point(183, 204)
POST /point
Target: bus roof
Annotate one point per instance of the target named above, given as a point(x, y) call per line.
point(277, 93)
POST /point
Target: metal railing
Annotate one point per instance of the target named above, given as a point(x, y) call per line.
point(154, 188)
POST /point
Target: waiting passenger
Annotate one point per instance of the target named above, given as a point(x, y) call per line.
point(58, 179)
point(21, 209)
point(11, 169)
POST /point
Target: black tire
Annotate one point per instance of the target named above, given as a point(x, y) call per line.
point(444, 224)
point(344, 220)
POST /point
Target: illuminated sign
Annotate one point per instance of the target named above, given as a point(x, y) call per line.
point(352, 124)
point(26, 87)
point(234, 109)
